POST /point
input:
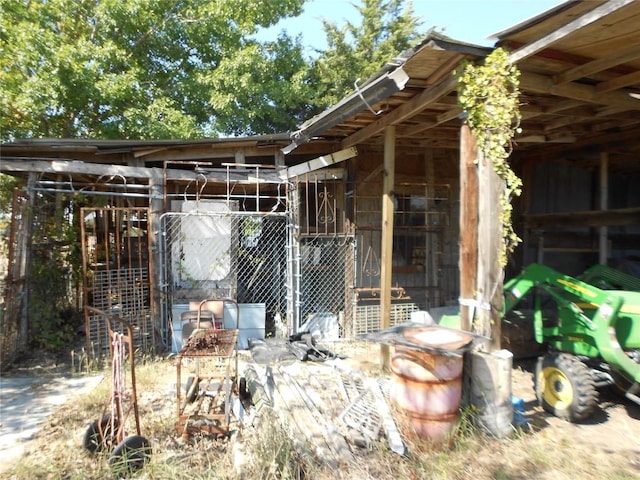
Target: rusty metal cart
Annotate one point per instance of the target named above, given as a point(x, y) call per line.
point(206, 405)
point(130, 453)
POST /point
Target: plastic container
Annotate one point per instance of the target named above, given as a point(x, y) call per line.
point(490, 391)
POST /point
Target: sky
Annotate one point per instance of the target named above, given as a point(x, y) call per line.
point(469, 21)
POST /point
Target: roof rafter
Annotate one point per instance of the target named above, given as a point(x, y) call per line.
point(598, 65)
point(406, 110)
point(422, 126)
point(619, 82)
point(567, 29)
point(584, 93)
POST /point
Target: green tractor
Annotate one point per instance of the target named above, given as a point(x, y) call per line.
point(592, 335)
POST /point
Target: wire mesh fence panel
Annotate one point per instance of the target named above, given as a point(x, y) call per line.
point(117, 279)
point(217, 255)
point(125, 293)
point(327, 282)
point(368, 319)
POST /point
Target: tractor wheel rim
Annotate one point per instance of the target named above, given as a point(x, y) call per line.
point(557, 391)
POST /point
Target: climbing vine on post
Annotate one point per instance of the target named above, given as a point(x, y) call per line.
point(489, 94)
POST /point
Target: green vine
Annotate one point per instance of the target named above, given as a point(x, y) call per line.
point(489, 95)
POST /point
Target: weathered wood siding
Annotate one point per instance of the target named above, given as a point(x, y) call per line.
point(563, 187)
point(425, 249)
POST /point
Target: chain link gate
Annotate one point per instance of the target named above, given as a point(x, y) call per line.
point(327, 281)
point(217, 255)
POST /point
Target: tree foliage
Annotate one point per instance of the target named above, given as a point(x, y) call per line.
point(144, 68)
point(356, 51)
point(148, 69)
point(55, 271)
point(264, 89)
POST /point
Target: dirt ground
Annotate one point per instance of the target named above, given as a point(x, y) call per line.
point(612, 433)
point(614, 428)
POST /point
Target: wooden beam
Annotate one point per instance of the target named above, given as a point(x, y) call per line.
point(25, 256)
point(388, 209)
point(598, 65)
point(406, 110)
point(239, 156)
point(568, 121)
point(562, 105)
point(567, 29)
point(439, 120)
point(559, 240)
point(76, 167)
point(585, 93)
point(619, 82)
point(445, 69)
point(71, 167)
point(157, 190)
point(607, 140)
point(374, 173)
point(468, 222)
point(487, 298)
point(311, 429)
point(587, 218)
point(209, 153)
point(620, 124)
point(320, 162)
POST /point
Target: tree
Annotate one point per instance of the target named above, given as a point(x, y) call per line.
point(265, 89)
point(356, 51)
point(146, 68)
point(178, 68)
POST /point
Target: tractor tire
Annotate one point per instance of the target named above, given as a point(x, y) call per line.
point(564, 387)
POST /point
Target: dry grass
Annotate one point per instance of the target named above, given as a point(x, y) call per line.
point(267, 452)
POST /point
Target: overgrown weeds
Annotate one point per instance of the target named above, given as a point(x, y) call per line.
point(265, 450)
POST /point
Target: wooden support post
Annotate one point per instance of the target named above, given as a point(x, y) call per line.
point(27, 258)
point(526, 202)
point(156, 209)
point(481, 274)
point(603, 250)
point(489, 276)
point(431, 240)
point(468, 223)
point(387, 238)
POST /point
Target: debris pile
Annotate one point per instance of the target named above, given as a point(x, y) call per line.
point(331, 411)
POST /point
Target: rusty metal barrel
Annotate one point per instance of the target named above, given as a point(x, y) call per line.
point(426, 382)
